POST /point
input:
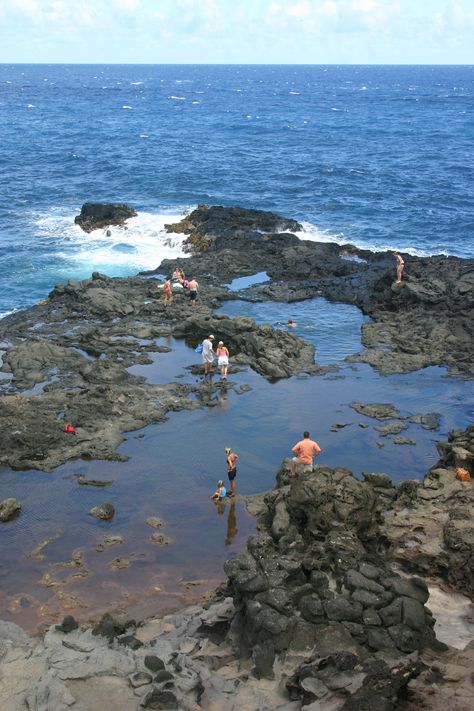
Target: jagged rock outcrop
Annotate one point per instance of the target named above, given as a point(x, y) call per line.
point(429, 525)
point(425, 320)
point(95, 215)
point(316, 580)
point(205, 225)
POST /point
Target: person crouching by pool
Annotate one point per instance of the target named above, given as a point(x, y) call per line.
point(222, 354)
point(305, 449)
point(220, 492)
point(231, 458)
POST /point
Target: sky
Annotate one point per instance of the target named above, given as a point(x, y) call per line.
point(237, 31)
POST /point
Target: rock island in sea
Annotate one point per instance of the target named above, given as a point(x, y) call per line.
point(329, 606)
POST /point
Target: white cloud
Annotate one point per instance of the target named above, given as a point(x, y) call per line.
point(365, 5)
point(127, 5)
point(329, 8)
point(300, 10)
point(27, 7)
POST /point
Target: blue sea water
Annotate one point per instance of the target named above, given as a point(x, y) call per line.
point(379, 156)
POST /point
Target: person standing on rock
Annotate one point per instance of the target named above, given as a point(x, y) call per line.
point(167, 292)
point(207, 354)
point(304, 450)
point(231, 459)
point(400, 267)
point(193, 287)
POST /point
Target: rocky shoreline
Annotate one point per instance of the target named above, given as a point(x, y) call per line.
point(68, 355)
point(328, 608)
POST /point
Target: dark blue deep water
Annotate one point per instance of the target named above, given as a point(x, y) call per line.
point(378, 156)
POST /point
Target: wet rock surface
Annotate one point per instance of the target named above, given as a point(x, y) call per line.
point(68, 362)
point(94, 216)
point(9, 508)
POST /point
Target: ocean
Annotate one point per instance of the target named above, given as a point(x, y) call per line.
point(378, 156)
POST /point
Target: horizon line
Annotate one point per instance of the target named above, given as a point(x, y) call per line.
point(245, 64)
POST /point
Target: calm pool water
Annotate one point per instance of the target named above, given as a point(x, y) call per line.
point(334, 328)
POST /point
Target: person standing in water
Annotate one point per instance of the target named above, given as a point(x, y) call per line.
point(231, 459)
point(305, 450)
point(400, 267)
point(222, 354)
point(207, 354)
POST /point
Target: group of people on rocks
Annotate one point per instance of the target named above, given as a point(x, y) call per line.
point(209, 356)
point(305, 450)
point(178, 277)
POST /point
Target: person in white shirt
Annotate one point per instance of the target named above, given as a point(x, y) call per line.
point(207, 354)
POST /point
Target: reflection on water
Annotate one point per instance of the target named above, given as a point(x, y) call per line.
point(232, 530)
point(171, 469)
point(228, 504)
point(335, 329)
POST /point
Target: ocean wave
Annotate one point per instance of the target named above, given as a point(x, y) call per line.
point(139, 245)
point(313, 233)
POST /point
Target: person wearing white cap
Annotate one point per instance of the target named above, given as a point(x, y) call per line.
point(207, 353)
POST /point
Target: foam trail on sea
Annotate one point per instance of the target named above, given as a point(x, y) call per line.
point(314, 234)
point(141, 244)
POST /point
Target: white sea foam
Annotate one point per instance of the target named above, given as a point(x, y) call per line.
point(314, 234)
point(139, 245)
point(126, 106)
point(6, 313)
point(178, 98)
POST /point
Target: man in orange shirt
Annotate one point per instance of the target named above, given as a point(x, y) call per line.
point(306, 449)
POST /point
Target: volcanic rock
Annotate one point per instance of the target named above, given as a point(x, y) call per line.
point(9, 508)
point(95, 215)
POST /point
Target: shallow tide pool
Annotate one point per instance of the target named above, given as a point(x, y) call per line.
point(173, 467)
